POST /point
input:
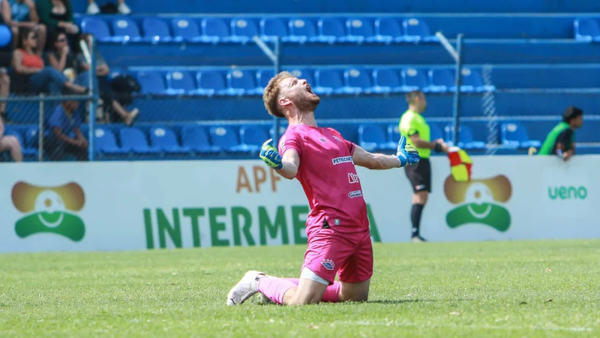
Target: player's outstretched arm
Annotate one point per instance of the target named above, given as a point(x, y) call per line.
point(287, 166)
point(405, 155)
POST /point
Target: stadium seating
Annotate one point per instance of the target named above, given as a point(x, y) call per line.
point(152, 82)
point(226, 139)
point(273, 27)
point(180, 83)
point(587, 29)
point(388, 30)
point(215, 30)
point(186, 30)
point(252, 137)
point(514, 135)
point(242, 30)
point(125, 30)
point(134, 140)
point(372, 137)
point(211, 82)
point(465, 140)
point(416, 30)
point(105, 142)
point(157, 30)
point(165, 139)
point(196, 138)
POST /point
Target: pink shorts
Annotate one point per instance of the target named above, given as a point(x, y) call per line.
point(350, 255)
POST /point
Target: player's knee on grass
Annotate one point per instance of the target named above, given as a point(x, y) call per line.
point(355, 292)
point(310, 290)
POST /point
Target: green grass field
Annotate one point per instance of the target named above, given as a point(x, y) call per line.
point(496, 289)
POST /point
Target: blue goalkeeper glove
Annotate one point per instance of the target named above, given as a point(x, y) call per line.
point(407, 154)
point(270, 155)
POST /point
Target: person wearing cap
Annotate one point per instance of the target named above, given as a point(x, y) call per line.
point(561, 139)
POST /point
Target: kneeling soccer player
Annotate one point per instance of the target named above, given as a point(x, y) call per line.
point(339, 241)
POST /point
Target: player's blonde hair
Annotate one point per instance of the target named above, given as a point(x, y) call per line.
point(271, 94)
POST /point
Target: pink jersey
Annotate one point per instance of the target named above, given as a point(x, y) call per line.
point(328, 177)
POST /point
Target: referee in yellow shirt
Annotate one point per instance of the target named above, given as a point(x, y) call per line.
point(416, 130)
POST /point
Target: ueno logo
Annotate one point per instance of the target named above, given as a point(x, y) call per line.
point(567, 193)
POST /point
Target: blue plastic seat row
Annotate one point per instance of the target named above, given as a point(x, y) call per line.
point(194, 139)
point(325, 81)
point(241, 30)
point(587, 29)
point(373, 137)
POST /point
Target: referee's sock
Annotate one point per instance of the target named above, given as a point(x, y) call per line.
point(415, 217)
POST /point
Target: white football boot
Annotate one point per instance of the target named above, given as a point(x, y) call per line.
point(245, 288)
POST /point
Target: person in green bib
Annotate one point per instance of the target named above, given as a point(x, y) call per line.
point(561, 139)
point(416, 130)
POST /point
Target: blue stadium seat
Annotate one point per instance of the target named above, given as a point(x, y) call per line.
point(196, 138)
point(165, 139)
point(302, 30)
point(329, 81)
point(125, 30)
point(587, 29)
point(331, 30)
point(472, 82)
point(371, 137)
point(226, 139)
point(304, 74)
point(134, 140)
point(252, 137)
point(16, 132)
point(262, 79)
point(151, 82)
point(157, 30)
point(186, 30)
point(465, 137)
point(243, 30)
point(242, 82)
point(393, 133)
point(180, 82)
point(359, 80)
point(97, 27)
point(442, 80)
point(211, 82)
point(105, 142)
point(215, 30)
point(417, 30)
point(388, 30)
point(386, 80)
point(415, 78)
point(436, 133)
point(514, 135)
point(360, 30)
point(32, 137)
point(272, 27)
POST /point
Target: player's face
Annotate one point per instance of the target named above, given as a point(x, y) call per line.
point(300, 93)
point(422, 102)
point(579, 121)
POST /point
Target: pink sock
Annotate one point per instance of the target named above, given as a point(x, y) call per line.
point(275, 288)
point(332, 293)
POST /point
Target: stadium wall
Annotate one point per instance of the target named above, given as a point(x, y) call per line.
point(354, 6)
point(139, 206)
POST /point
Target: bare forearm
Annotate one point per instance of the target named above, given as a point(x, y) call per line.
point(383, 162)
point(289, 170)
point(424, 144)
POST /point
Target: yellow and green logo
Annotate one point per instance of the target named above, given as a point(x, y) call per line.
point(479, 200)
point(49, 210)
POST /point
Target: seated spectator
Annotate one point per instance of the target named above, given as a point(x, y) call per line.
point(22, 13)
point(4, 92)
point(60, 56)
point(30, 75)
point(10, 143)
point(93, 8)
point(115, 112)
point(57, 15)
point(65, 136)
point(561, 139)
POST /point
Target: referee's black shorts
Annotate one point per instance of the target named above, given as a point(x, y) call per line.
point(419, 175)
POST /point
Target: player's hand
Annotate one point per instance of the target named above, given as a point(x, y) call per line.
point(270, 155)
point(407, 154)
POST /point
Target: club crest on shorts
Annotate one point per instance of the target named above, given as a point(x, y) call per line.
point(328, 264)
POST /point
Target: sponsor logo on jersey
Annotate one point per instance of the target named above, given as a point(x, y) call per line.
point(340, 160)
point(355, 193)
point(337, 138)
point(352, 178)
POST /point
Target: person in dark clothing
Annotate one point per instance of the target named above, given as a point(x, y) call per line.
point(561, 139)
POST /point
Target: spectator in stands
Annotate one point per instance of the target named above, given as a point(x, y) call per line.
point(561, 139)
point(107, 94)
point(31, 76)
point(4, 91)
point(57, 15)
point(10, 143)
point(65, 136)
point(416, 130)
point(22, 13)
point(93, 8)
point(60, 56)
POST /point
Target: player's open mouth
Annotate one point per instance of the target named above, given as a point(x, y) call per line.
point(309, 89)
